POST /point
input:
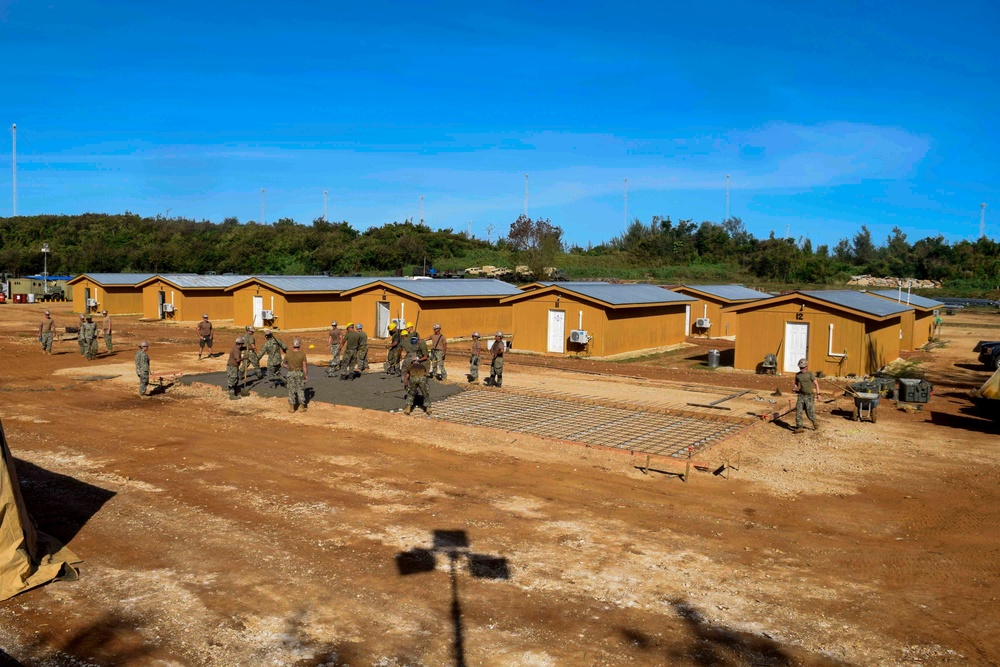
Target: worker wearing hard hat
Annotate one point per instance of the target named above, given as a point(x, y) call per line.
point(391, 366)
point(46, 331)
point(405, 349)
point(251, 358)
point(298, 375)
point(233, 368)
point(204, 329)
point(807, 388)
point(349, 351)
point(106, 329)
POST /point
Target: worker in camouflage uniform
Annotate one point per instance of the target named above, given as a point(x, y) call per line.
point(415, 383)
point(477, 349)
point(496, 366)
point(106, 330)
point(89, 333)
point(362, 347)
point(405, 349)
point(298, 375)
point(142, 368)
point(391, 366)
point(251, 358)
point(233, 369)
point(79, 336)
point(334, 338)
point(349, 352)
point(807, 388)
point(46, 331)
point(438, 346)
point(273, 347)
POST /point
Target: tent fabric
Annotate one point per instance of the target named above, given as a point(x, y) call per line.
point(28, 557)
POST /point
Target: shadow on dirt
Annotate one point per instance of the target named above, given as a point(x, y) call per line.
point(971, 419)
point(714, 645)
point(453, 545)
point(7, 661)
point(60, 504)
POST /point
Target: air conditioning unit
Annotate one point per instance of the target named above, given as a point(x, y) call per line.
point(579, 336)
point(267, 314)
point(168, 307)
point(91, 303)
point(703, 323)
point(400, 323)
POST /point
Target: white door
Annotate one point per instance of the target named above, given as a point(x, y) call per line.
point(161, 299)
point(382, 319)
point(557, 331)
point(258, 308)
point(796, 345)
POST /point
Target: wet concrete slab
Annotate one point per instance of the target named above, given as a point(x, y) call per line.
point(372, 390)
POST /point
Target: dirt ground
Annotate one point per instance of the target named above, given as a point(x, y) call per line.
point(219, 532)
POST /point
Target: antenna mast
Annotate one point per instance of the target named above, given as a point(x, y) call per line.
point(324, 206)
point(13, 157)
point(421, 209)
point(982, 220)
point(727, 196)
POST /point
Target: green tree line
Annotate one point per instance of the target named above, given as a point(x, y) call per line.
point(661, 249)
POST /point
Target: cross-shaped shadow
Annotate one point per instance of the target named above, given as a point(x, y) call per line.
point(454, 546)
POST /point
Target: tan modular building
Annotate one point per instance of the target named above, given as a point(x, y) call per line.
point(924, 312)
point(460, 306)
point(839, 331)
point(707, 315)
point(294, 302)
point(186, 297)
point(596, 318)
point(118, 293)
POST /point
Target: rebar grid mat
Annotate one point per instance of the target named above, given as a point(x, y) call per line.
point(659, 433)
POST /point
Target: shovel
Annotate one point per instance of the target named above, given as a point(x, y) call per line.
point(244, 390)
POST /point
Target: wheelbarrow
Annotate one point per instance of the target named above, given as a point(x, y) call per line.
point(866, 406)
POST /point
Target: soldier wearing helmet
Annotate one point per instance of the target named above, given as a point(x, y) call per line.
point(273, 347)
point(438, 345)
point(233, 368)
point(496, 365)
point(334, 339)
point(415, 383)
point(349, 350)
point(251, 357)
point(79, 335)
point(362, 347)
point(807, 388)
point(477, 349)
point(204, 329)
point(298, 375)
point(89, 333)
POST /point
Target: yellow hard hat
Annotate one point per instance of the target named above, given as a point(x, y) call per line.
point(409, 325)
point(392, 326)
point(350, 324)
point(404, 332)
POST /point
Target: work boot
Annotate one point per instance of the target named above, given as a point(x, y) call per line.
point(233, 396)
point(408, 409)
point(498, 383)
point(427, 410)
point(291, 408)
point(144, 396)
point(798, 429)
point(305, 408)
point(815, 426)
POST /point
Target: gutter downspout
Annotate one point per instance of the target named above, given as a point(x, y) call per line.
point(830, 351)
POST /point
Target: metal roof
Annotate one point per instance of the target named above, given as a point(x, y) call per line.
point(314, 283)
point(444, 287)
point(625, 295)
point(188, 280)
point(730, 292)
point(911, 299)
point(118, 278)
point(865, 303)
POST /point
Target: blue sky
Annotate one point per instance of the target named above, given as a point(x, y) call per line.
point(827, 116)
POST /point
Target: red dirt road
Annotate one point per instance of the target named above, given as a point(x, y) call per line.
point(218, 532)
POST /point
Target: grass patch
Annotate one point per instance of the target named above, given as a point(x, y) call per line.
point(905, 368)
